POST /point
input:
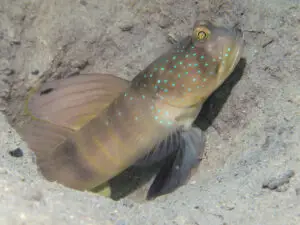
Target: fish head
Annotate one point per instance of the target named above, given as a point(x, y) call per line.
point(222, 48)
point(196, 70)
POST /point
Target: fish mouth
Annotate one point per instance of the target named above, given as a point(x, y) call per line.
point(236, 45)
point(238, 49)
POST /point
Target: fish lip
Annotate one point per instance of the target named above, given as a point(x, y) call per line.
point(239, 51)
point(228, 68)
point(240, 47)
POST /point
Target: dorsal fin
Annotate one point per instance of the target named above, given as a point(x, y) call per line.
point(73, 101)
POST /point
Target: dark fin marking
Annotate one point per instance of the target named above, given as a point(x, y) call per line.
point(162, 150)
point(179, 166)
point(73, 101)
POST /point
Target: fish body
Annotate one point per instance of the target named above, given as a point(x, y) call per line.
point(107, 124)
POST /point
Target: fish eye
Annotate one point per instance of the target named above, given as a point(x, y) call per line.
point(202, 33)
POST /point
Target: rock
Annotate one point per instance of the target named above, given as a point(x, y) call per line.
point(164, 22)
point(126, 26)
point(16, 153)
point(80, 64)
point(172, 38)
point(275, 183)
point(35, 72)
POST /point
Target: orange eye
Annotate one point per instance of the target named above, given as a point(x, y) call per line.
point(202, 33)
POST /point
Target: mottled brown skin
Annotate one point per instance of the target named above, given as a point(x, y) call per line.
point(91, 127)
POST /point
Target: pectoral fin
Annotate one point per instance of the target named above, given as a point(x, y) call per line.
point(180, 165)
point(162, 150)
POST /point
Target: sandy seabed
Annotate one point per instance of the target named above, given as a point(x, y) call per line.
point(253, 141)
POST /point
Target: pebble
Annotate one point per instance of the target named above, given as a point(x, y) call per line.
point(275, 183)
point(171, 38)
point(15, 42)
point(35, 72)
point(164, 22)
point(126, 26)
point(297, 191)
point(83, 2)
point(227, 206)
point(80, 64)
point(16, 153)
point(8, 71)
